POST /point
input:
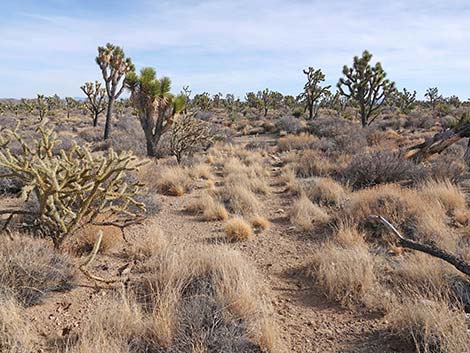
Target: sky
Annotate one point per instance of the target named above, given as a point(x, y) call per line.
point(49, 46)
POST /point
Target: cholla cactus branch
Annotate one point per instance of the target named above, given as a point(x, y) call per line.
point(72, 188)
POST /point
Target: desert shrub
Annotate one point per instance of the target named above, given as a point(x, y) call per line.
point(289, 124)
point(305, 215)
point(16, 332)
point(66, 191)
point(324, 191)
point(380, 167)
point(8, 184)
point(432, 325)
point(346, 275)
point(202, 299)
point(30, 269)
point(419, 119)
point(312, 164)
point(237, 229)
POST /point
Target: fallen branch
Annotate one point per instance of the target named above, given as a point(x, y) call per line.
point(432, 250)
point(438, 143)
point(90, 259)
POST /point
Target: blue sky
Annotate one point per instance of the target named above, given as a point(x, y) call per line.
point(225, 46)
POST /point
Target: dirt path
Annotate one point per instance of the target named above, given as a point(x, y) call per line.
point(309, 322)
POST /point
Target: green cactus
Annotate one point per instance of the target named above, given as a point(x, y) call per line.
point(114, 67)
point(156, 107)
point(366, 86)
point(96, 102)
point(313, 92)
point(71, 189)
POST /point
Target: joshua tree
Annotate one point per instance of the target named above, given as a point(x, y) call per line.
point(405, 100)
point(276, 99)
point(70, 103)
point(95, 103)
point(41, 106)
point(114, 66)
point(253, 100)
point(313, 92)
point(265, 98)
point(229, 101)
point(155, 105)
point(367, 86)
point(186, 92)
point(202, 101)
point(433, 96)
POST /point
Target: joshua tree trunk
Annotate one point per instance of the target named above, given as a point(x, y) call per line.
point(95, 119)
point(109, 114)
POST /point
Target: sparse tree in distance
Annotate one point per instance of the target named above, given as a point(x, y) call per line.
point(156, 106)
point(70, 103)
point(114, 67)
point(313, 92)
point(405, 100)
point(433, 96)
point(367, 86)
point(186, 92)
point(41, 106)
point(95, 102)
point(265, 98)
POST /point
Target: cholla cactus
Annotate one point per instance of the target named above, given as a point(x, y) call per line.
point(188, 134)
point(72, 188)
point(367, 86)
point(156, 107)
point(95, 102)
point(313, 92)
point(114, 67)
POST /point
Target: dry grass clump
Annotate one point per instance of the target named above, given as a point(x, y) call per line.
point(147, 240)
point(203, 299)
point(405, 208)
point(445, 192)
point(346, 274)
point(201, 171)
point(239, 199)
point(237, 229)
point(305, 215)
point(16, 333)
point(31, 268)
point(324, 191)
point(210, 209)
point(432, 325)
point(259, 223)
point(302, 141)
point(312, 164)
point(173, 181)
point(86, 239)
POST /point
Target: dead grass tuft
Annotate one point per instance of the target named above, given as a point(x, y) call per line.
point(259, 223)
point(31, 268)
point(305, 215)
point(173, 181)
point(237, 229)
point(324, 191)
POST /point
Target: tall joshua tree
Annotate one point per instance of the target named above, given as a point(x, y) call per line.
point(155, 105)
point(95, 102)
point(313, 92)
point(114, 66)
point(265, 98)
point(367, 86)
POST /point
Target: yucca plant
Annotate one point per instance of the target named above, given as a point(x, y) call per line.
point(156, 107)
